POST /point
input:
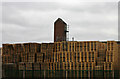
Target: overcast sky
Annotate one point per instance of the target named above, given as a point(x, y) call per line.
point(34, 21)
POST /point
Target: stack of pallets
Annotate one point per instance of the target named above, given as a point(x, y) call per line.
point(21, 66)
point(29, 66)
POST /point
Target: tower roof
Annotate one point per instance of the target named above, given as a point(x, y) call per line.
point(59, 19)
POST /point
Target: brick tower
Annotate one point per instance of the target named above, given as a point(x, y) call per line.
point(60, 29)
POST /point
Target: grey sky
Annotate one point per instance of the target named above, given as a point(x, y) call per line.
point(33, 21)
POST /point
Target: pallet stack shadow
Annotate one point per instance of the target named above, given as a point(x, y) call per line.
point(27, 56)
